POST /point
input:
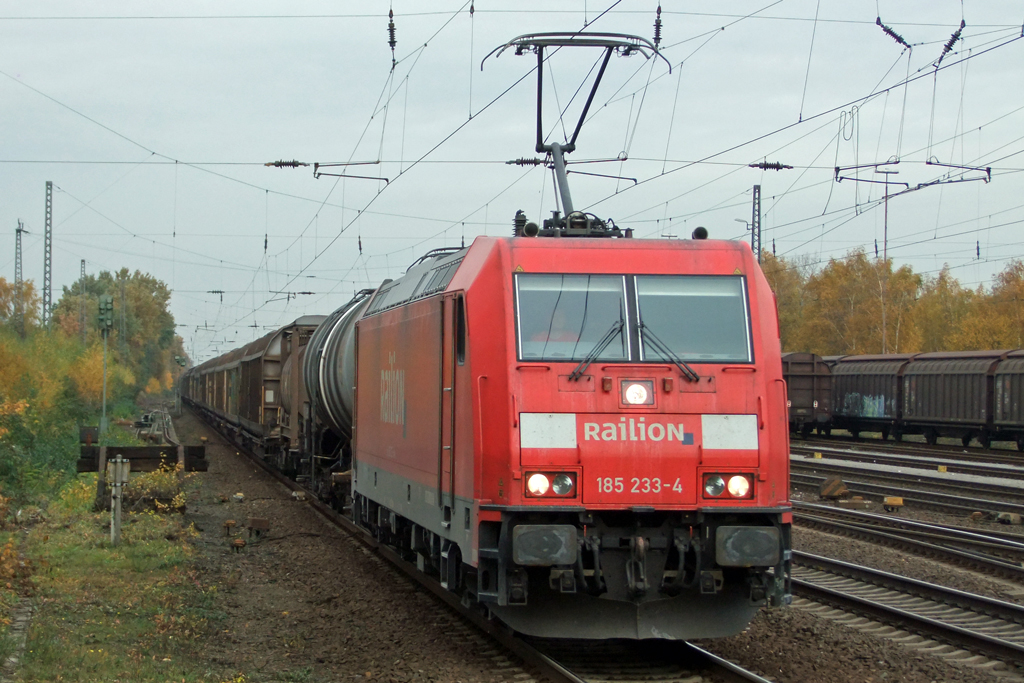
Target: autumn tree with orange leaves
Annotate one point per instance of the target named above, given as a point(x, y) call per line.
point(837, 309)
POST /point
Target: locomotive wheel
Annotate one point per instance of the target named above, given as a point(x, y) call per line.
point(931, 437)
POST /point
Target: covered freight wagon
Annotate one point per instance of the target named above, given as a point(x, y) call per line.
point(809, 388)
point(1008, 418)
point(950, 394)
point(865, 392)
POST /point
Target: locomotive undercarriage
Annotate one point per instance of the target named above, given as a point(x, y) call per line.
point(631, 575)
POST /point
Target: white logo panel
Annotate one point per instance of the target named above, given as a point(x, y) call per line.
point(547, 430)
point(729, 432)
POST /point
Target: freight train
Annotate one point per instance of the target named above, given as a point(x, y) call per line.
point(965, 395)
point(587, 436)
point(581, 432)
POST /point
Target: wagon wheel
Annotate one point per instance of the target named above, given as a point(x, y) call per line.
point(966, 440)
point(986, 441)
point(855, 433)
point(1020, 443)
point(931, 437)
point(885, 432)
point(806, 429)
point(897, 435)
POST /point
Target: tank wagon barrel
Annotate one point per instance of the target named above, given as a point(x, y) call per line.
point(329, 367)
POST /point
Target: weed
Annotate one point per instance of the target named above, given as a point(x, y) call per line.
point(135, 612)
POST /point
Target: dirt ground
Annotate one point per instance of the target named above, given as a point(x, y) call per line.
point(307, 603)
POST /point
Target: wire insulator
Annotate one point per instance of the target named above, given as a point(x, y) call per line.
point(360, 245)
point(522, 161)
point(952, 41)
point(892, 34)
point(770, 165)
point(657, 28)
point(392, 41)
point(953, 38)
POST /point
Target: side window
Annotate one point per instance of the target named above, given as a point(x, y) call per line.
point(460, 330)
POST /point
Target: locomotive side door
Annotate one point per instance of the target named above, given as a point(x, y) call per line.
point(446, 452)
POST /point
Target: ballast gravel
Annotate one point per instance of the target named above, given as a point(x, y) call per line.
point(306, 603)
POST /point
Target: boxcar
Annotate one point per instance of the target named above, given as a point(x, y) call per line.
point(809, 392)
point(866, 392)
point(1008, 398)
point(950, 394)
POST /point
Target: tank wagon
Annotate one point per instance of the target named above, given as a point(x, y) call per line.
point(809, 392)
point(588, 436)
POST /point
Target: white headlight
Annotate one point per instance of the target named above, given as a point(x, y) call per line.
point(538, 484)
point(714, 485)
point(636, 394)
point(562, 485)
point(739, 486)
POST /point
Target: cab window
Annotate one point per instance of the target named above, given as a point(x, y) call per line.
point(563, 317)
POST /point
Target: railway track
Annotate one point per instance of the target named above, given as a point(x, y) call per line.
point(923, 459)
point(924, 499)
point(992, 493)
point(1000, 451)
point(988, 627)
point(992, 553)
point(639, 661)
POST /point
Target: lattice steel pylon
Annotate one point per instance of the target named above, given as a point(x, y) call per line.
point(18, 312)
point(81, 304)
point(48, 256)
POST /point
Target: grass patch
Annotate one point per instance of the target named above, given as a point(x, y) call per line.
point(136, 612)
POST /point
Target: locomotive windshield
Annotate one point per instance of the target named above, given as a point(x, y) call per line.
point(699, 318)
point(564, 317)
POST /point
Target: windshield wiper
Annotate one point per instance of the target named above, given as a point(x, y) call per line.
point(661, 348)
point(615, 329)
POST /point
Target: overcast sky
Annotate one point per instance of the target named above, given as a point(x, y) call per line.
point(154, 121)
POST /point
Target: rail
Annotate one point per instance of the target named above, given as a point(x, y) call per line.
point(1000, 555)
point(974, 622)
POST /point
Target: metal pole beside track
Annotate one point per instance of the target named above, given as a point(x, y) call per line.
point(103, 417)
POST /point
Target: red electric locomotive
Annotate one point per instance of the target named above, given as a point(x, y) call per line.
point(583, 432)
point(587, 435)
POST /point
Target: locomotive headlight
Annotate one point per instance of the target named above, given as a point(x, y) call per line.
point(714, 485)
point(538, 484)
point(638, 393)
point(562, 485)
point(739, 486)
